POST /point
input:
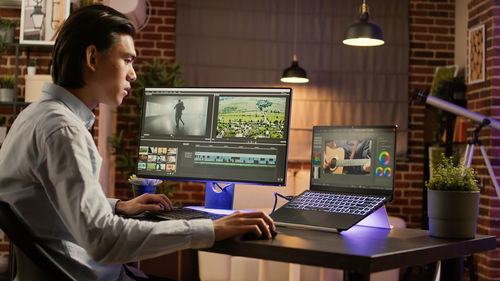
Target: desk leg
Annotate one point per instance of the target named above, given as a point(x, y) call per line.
point(452, 269)
point(263, 269)
point(356, 276)
point(293, 272)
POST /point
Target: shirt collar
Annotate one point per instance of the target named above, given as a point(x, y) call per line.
point(53, 91)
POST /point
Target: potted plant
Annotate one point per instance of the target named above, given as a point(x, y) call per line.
point(31, 67)
point(7, 90)
point(7, 28)
point(452, 200)
point(143, 185)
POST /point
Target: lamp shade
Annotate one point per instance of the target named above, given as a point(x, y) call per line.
point(363, 33)
point(294, 73)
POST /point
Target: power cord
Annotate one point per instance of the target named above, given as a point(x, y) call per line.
point(276, 194)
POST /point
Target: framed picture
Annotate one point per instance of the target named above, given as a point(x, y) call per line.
point(476, 57)
point(40, 20)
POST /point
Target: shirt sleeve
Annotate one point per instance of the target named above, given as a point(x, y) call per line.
point(75, 193)
point(112, 203)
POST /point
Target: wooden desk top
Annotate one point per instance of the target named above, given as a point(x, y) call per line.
point(362, 249)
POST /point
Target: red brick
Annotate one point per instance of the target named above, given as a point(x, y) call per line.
point(10, 13)
point(180, 195)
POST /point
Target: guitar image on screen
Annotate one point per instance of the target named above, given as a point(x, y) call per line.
point(334, 160)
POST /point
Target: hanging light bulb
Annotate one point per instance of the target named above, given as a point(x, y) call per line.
point(363, 33)
point(294, 73)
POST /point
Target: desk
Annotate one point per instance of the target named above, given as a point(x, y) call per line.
point(360, 250)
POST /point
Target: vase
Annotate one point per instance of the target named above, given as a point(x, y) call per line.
point(452, 214)
point(6, 95)
point(141, 189)
point(31, 70)
point(3, 133)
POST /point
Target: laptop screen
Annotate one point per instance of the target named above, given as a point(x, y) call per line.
point(354, 159)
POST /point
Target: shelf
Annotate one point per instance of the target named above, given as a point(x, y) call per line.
point(18, 48)
point(20, 103)
point(29, 46)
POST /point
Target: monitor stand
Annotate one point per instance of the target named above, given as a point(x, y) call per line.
point(219, 195)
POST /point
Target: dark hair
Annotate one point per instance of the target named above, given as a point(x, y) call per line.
point(96, 25)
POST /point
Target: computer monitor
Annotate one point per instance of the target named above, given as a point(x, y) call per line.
point(215, 135)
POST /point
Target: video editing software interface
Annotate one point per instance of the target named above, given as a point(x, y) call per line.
point(215, 134)
point(353, 158)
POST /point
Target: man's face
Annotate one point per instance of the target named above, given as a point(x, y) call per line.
point(114, 71)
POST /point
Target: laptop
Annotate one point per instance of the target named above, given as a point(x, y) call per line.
point(352, 175)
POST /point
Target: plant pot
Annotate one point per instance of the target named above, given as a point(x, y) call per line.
point(31, 70)
point(452, 214)
point(6, 95)
point(3, 133)
point(141, 189)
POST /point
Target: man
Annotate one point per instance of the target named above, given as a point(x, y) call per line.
point(179, 107)
point(50, 163)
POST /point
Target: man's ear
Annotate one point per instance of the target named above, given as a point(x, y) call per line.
point(91, 57)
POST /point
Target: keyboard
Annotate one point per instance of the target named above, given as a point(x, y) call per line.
point(335, 203)
point(182, 214)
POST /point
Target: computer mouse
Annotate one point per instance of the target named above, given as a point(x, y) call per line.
point(252, 236)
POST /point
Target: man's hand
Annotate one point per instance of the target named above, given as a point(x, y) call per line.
point(326, 163)
point(145, 202)
point(366, 168)
point(240, 223)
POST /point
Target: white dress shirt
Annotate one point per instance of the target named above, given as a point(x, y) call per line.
point(49, 175)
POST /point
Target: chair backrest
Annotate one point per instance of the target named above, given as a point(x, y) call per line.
point(29, 245)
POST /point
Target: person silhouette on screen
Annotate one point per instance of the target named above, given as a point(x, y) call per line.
point(50, 163)
point(179, 107)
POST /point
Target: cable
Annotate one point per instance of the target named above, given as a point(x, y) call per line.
point(276, 194)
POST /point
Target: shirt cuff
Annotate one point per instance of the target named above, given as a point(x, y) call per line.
point(112, 202)
point(202, 233)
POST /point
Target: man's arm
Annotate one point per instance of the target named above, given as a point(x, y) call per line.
point(145, 202)
point(75, 193)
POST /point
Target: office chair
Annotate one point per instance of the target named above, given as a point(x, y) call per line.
point(33, 260)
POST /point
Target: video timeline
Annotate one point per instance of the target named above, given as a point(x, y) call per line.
point(232, 159)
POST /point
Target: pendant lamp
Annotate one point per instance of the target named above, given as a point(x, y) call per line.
point(294, 73)
point(363, 33)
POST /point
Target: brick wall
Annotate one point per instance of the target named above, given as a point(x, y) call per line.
point(484, 99)
point(431, 31)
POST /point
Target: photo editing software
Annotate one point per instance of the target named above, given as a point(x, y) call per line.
point(353, 157)
point(215, 134)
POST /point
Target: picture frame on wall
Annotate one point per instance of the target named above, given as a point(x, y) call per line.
point(40, 20)
point(476, 61)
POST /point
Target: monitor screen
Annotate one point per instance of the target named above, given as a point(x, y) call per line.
point(360, 159)
point(215, 134)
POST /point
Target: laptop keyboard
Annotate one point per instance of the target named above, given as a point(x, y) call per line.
point(183, 214)
point(335, 203)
